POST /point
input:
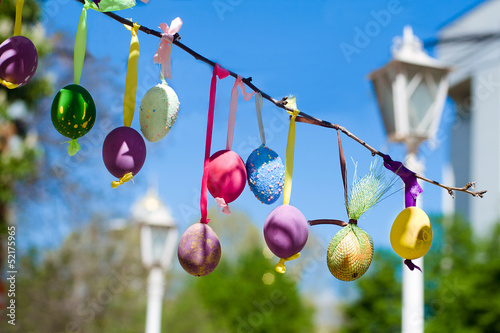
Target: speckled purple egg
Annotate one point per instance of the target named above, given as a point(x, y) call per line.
point(18, 61)
point(285, 231)
point(199, 250)
point(124, 151)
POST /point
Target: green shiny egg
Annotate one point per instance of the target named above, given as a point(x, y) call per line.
point(73, 111)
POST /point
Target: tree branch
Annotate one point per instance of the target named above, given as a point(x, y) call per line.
point(304, 117)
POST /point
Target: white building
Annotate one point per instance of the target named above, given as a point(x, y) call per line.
point(475, 135)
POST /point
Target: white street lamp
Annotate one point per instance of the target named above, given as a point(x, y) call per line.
point(411, 91)
point(158, 242)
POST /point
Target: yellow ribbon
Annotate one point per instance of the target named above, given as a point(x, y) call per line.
point(290, 146)
point(19, 15)
point(8, 84)
point(280, 267)
point(131, 80)
point(125, 178)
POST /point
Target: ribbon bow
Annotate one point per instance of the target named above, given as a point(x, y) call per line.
point(162, 55)
point(8, 84)
point(125, 178)
point(221, 203)
point(412, 188)
point(280, 267)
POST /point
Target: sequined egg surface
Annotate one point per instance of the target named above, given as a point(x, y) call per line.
point(265, 174)
point(158, 113)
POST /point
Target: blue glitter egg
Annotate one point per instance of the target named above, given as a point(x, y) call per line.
point(265, 174)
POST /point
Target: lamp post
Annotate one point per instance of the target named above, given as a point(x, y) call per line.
point(411, 91)
point(158, 242)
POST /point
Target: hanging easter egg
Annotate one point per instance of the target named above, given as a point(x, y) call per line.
point(159, 109)
point(124, 151)
point(265, 174)
point(286, 231)
point(350, 253)
point(226, 175)
point(73, 111)
point(18, 61)
point(199, 250)
point(411, 233)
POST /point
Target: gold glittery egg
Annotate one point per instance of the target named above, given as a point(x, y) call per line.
point(350, 253)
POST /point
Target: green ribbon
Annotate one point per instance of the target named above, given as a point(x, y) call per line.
point(73, 147)
point(80, 44)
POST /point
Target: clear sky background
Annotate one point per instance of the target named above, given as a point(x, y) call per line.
point(288, 47)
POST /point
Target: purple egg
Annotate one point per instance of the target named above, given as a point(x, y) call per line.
point(124, 151)
point(286, 231)
point(199, 250)
point(18, 60)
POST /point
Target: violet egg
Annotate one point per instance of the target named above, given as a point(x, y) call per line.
point(286, 231)
point(124, 151)
point(18, 61)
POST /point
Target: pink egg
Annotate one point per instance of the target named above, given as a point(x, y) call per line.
point(227, 175)
point(18, 60)
point(199, 250)
point(286, 231)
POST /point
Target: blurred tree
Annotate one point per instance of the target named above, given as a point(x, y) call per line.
point(246, 295)
point(18, 143)
point(18, 140)
point(95, 283)
point(461, 285)
point(464, 285)
point(378, 307)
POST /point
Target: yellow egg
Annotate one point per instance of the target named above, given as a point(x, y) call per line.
point(411, 233)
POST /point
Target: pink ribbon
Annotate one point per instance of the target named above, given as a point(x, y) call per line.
point(162, 55)
point(232, 109)
point(221, 203)
point(221, 73)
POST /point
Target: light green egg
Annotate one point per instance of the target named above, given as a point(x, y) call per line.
point(159, 110)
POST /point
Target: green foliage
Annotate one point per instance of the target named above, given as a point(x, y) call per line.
point(18, 161)
point(461, 285)
point(378, 307)
point(31, 12)
point(464, 295)
point(95, 283)
point(235, 298)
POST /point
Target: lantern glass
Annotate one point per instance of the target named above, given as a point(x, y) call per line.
point(383, 91)
point(426, 100)
point(159, 235)
point(419, 105)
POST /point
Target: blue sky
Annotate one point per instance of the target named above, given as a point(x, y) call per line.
point(288, 48)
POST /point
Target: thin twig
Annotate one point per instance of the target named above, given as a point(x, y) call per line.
point(450, 189)
point(304, 117)
point(327, 221)
point(374, 152)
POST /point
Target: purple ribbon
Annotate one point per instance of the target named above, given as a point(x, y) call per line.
point(411, 265)
point(412, 188)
